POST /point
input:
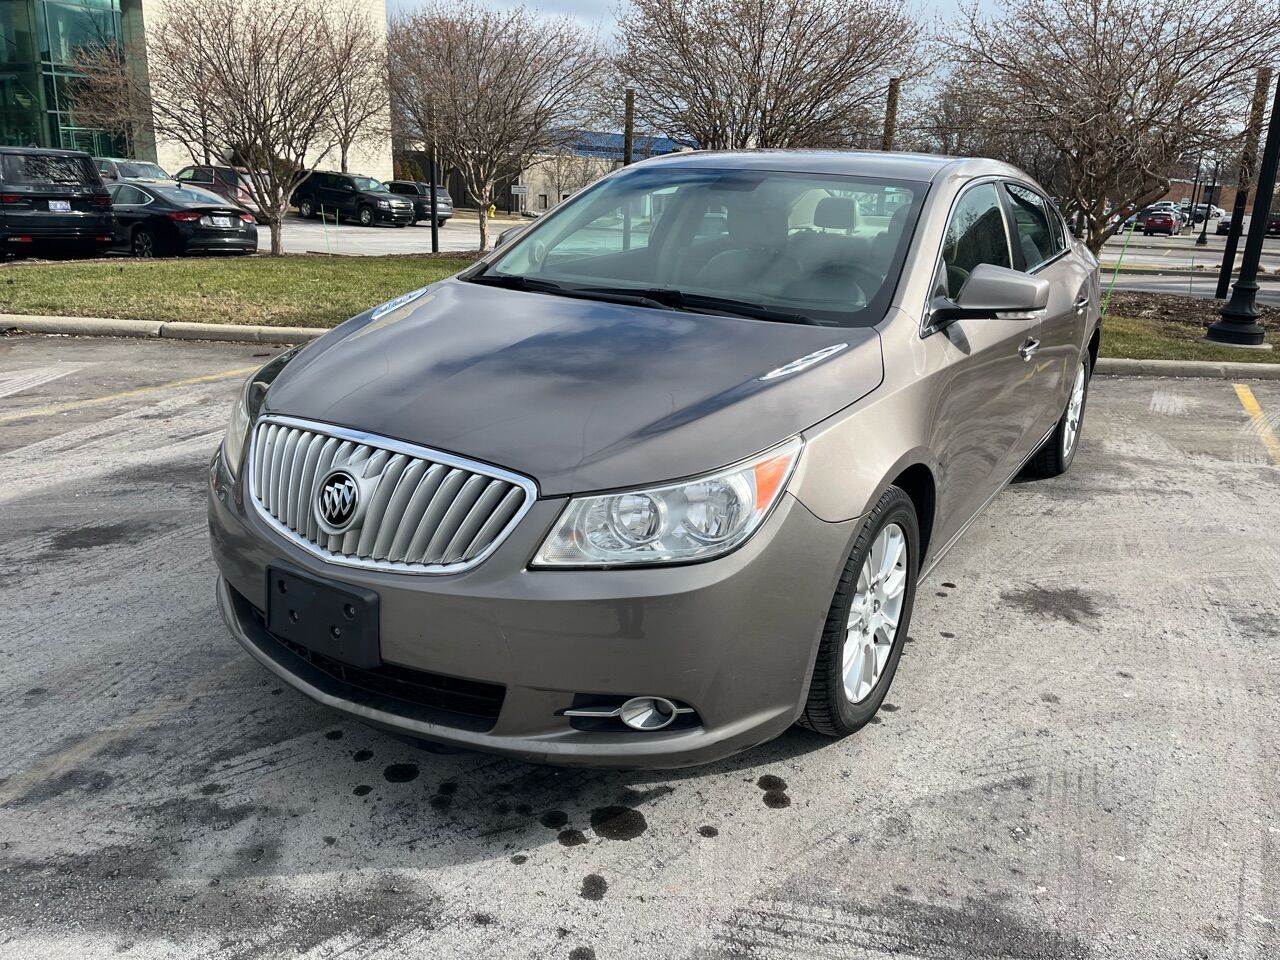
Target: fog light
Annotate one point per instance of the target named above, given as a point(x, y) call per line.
point(647, 713)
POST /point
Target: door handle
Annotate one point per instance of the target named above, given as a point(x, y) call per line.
point(1029, 348)
point(1082, 303)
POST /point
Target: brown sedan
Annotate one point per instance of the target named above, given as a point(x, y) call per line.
point(657, 478)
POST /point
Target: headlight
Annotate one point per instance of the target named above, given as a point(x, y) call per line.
point(694, 520)
point(246, 409)
point(384, 203)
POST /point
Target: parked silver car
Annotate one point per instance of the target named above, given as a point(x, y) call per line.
point(633, 492)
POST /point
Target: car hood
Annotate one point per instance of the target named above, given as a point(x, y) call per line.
point(577, 394)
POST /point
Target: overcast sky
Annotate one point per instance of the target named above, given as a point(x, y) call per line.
point(599, 13)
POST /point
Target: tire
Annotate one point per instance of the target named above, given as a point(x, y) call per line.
point(306, 208)
point(440, 224)
point(366, 216)
point(830, 709)
point(144, 244)
point(1055, 456)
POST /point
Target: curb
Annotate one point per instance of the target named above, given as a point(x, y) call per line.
point(1209, 369)
point(238, 333)
point(172, 330)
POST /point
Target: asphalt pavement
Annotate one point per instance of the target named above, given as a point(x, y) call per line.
point(1079, 757)
point(351, 239)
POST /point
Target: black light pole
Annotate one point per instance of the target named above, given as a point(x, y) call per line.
point(431, 174)
point(1203, 239)
point(1239, 321)
point(1248, 158)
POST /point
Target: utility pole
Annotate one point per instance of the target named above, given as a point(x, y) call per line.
point(1195, 188)
point(1248, 158)
point(891, 114)
point(629, 126)
point(1238, 324)
point(1203, 239)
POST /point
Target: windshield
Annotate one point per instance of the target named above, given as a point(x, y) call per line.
point(136, 168)
point(815, 248)
point(191, 195)
point(370, 184)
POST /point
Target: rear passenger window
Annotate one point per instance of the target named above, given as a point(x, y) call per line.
point(975, 235)
point(1036, 239)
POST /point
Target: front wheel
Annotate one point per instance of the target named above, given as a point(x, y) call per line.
point(366, 216)
point(1054, 457)
point(868, 620)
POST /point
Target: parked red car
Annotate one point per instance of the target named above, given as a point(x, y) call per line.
point(1160, 221)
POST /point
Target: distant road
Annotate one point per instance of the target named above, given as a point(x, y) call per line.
point(1187, 286)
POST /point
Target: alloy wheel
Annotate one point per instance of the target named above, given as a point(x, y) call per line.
point(875, 612)
point(143, 245)
point(366, 217)
point(1075, 406)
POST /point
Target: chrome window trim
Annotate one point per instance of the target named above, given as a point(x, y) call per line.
point(394, 446)
point(926, 327)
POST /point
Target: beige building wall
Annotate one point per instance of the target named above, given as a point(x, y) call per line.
point(371, 157)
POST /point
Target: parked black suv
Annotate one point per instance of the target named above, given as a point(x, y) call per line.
point(52, 200)
point(353, 197)
point(420, 194)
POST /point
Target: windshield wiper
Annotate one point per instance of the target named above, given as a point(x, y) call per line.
point(536, 285)
point(679, 300)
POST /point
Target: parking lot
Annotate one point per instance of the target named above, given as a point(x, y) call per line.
point(351, 239)
point(1079, 758)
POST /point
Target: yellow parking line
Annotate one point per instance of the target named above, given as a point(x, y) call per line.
point(123, 395)
point(1254, 410)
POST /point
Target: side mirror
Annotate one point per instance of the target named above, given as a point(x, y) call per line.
point(994, 293)
point(506, 236)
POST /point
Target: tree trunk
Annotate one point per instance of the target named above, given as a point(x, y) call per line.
point(484, 225)
point(277, 236)
point(343, 147)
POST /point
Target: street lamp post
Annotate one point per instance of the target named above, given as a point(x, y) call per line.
point(1239, 321)
point(1203, 239)
point(1195, 188)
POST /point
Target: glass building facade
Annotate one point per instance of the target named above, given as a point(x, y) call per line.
point(38, 43)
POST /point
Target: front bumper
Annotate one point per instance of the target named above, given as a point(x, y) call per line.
point(393, 214)
point(734, 638)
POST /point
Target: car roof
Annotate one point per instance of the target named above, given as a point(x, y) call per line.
point(868, 163)
point(44, 151)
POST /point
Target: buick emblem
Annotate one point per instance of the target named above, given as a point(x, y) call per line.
point(337, 501)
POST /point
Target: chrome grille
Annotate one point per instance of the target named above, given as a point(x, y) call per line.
point(427, 512)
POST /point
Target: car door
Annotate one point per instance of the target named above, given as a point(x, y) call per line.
point(1041, 249)
point(985, 392)
point(129, 205)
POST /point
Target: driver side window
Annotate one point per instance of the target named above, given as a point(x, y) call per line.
point(976, 234)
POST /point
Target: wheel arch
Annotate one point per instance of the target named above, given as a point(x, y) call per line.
point(917, 482)
point(1095, 345)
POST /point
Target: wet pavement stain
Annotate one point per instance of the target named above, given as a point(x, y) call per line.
point(360, 756)
point(554, 819)
point(582, 953)
point(482, 919)
point(1049, 697)
point(333, 735)
point(775, 790)
point(947, 636)
point(401, 772)
point(362, 790)
point(594, 887)
point(571, 838)
point(708, 832)
point(889, 707)
point(519, 859)
point(1064, 603)
point(618, 823)
point(949, 585)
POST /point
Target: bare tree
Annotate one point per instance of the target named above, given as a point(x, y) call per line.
point(733, 74)
point(107, 93)
point(1121, 90)
point(264, 95)
point(361, 107)
point(489, 87)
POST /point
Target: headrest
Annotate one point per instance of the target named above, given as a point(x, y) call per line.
point(836, 213)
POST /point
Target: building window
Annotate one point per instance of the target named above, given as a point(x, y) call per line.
point(542, 201)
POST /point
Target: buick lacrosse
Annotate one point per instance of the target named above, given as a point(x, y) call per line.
point(658, 477)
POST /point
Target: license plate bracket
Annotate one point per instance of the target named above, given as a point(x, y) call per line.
point(335, 620)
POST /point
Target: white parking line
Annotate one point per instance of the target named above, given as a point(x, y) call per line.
point(18, 380)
